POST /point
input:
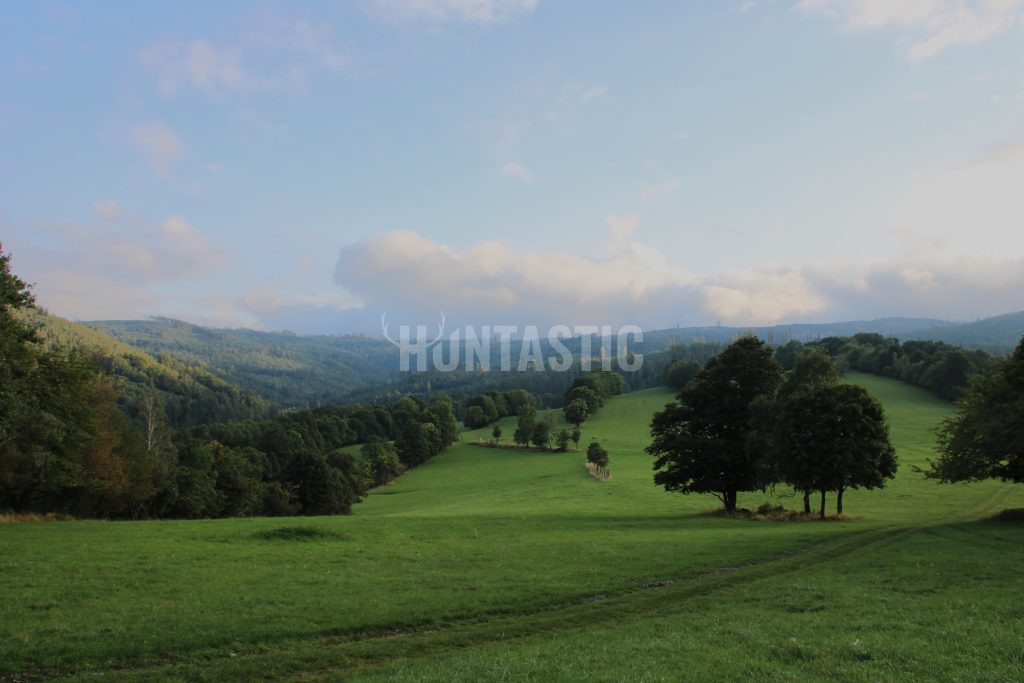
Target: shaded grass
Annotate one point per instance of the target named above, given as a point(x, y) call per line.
point(298, 533)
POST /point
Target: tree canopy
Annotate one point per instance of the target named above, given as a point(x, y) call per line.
point(829, 438)
point(700, 441)
point(984, 439)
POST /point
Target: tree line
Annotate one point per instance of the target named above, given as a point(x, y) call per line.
point(742, 424)
point(937, 367)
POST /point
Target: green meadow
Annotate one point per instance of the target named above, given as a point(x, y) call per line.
point(497, 563)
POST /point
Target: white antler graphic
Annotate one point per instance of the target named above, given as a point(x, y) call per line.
point(401, 343)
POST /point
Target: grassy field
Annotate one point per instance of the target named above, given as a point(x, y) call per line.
point(490, 563)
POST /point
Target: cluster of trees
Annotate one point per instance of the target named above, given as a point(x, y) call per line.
point(300, 463)
point(589, 392)
point(480, 411)
point(939, 368)
point(984, 439)
point(532, 430)
point(742, 425)
point(598, 456)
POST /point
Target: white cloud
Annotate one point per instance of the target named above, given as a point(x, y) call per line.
point(277, 53)
point(969, 208)
point(198, 64)
point(517, 171)
point(108, 211)
point(128, 269)
point(157, 144)
point(620, 228)
point(313, 39)
point(572, 97)
point(495, 282)
point(472, 11)
point(931, 25)
point(659, 189)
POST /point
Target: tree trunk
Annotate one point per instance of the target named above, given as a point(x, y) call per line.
point(821, 513)
point(730, 501)
point(839, 502)
point(807, 502)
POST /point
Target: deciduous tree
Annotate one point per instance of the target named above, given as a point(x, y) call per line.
point(700, 441)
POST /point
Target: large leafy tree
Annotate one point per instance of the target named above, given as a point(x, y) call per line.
point(700, 442)
point(984, 439)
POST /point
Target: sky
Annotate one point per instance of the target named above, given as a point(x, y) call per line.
point(313, 166)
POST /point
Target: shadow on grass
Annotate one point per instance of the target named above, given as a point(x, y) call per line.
point(299, 533)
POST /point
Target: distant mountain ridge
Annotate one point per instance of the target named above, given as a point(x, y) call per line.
point(780, 334)
point(998, 335)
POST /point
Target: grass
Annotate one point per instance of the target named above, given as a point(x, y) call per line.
point(499, 563)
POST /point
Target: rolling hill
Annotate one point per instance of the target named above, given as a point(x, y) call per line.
point(189, 394)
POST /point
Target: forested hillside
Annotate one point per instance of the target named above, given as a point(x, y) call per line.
point(190, 395)
point(287, 369)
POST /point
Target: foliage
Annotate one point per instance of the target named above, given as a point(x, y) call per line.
point(985, 437)
point(828, 438)
point(526, 423)
point(381, 460)
point(679, 373)
point(700, 440)
point(479, 411)
point(942, 369)
point(597, 454)
point(541, 436)
point(576, 411)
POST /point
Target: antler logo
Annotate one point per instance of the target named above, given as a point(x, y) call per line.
point(407, 346)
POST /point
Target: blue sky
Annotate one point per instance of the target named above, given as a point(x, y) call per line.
point(309, 166)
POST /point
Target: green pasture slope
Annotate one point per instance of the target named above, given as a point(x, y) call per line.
point(489, 563)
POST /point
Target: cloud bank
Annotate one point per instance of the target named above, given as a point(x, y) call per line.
point(931, 26)
point(498, 283)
